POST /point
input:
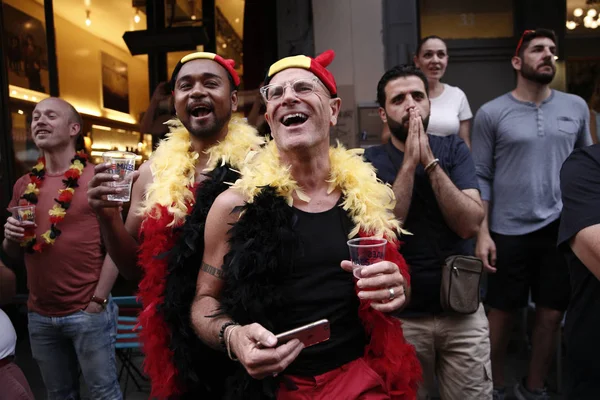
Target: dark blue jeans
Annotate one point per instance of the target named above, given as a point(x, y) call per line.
point(61, 344)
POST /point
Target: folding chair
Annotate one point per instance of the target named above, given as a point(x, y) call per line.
point(128, 344)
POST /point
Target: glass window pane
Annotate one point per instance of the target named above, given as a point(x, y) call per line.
point(182, 12)
point(466, 19)
point(230, 31)
point(110, 86)
point(27, 54)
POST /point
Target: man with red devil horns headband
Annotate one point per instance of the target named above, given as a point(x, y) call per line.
point(163, 236)
point(275, 258)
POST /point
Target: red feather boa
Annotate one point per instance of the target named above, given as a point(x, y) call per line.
point(387, 352)
point(157, 239)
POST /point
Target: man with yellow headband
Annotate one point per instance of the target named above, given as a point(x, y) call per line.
point(162, 239)
point(276, 258)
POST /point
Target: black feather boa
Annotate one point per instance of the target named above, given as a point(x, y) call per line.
point(201, 371)
point(262, 247)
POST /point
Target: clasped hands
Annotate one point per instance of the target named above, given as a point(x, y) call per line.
point(416, 148)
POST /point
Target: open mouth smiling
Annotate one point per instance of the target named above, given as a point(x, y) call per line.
point(200, 110)
point(294, 119)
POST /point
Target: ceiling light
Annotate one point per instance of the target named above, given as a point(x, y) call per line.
point(594, 25)
point(224, 45)
point(25, 97)
point(193, 17)
point(237, 20)
point(578, 12)
point(88, 20)
point(20, 112)
point(13, 92)
point(136, 17)
point(33, 98)
point(571, 25)
point(592, 12)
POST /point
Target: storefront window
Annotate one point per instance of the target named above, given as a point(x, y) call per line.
point(467, 19)
point(96, 72)
point(109, 83)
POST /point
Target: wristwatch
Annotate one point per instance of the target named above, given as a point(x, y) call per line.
point(101, 301)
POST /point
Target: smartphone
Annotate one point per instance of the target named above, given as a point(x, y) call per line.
point(310, 334)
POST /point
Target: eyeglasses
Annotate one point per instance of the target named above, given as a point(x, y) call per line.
point(301, 87)
point(525, 33)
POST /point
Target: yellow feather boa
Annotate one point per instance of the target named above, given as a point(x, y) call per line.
point(368, 201)
point(173, 166)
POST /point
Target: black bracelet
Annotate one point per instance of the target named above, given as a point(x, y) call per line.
point(222, 333)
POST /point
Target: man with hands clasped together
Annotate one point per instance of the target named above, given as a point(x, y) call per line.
point(437, 199)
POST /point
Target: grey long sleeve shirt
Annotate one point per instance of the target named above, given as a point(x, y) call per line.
point(518, 149)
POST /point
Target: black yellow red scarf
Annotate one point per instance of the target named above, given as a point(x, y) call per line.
point(167, 288)
point(255, 262)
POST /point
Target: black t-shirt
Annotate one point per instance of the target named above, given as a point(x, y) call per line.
point(580, 186)
point(432, 240)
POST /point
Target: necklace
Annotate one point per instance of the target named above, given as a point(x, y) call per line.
point(59, 210)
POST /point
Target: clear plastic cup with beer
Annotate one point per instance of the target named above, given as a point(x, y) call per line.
point(122, 163)
point(25, 213)
point(365, 251)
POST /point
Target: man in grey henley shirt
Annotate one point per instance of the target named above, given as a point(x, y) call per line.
point(520, 141)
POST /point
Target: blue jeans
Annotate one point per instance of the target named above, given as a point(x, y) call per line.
point(61, 344)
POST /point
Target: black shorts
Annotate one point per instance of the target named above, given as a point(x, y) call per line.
point(529, 262)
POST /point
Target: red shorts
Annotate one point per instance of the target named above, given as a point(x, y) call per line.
point(352, 381)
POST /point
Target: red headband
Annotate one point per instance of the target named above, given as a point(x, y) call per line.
point(228, 64)
point(315, 65)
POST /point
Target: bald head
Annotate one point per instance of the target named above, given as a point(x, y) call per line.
point(72, 114)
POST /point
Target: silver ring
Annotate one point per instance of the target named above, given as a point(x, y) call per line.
point(392, 293)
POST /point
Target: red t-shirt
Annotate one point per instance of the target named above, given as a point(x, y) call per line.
point(63, 277)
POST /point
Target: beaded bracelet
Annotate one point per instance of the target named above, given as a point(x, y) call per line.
point(222, 333)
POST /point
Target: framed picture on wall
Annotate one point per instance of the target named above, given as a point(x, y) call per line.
point(583, 74)
point(26, 51)
point(115, 84)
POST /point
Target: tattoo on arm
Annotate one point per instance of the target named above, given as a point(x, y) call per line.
point(209, 269)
